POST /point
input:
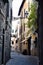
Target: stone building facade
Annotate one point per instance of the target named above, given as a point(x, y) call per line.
point(25, 32)
point(5, 30)
point(24, 28)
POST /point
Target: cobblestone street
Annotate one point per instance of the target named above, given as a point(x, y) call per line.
point(19, 59)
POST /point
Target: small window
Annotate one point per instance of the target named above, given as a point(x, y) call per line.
point(12, 42)
point(16, 41)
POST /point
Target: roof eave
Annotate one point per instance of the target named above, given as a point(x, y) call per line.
point(21, 7)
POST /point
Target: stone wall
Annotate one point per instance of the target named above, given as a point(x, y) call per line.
point(5, 31)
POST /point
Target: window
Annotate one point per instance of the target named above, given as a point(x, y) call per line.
point(12, 42)
point(16, 41)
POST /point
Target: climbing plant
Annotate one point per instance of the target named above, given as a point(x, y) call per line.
point(32, 17)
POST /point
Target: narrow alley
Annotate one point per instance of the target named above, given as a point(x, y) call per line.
point(21, 32)
point(19, 59)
